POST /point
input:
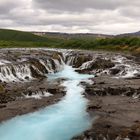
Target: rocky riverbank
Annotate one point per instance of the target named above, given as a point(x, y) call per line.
point(114, 108)
point(114, 96)
point(114, 102)
point(22, 98)
point(24, 86)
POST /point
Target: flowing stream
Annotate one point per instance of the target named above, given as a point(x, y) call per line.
point(60, 121)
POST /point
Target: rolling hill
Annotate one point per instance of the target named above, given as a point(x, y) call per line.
point(125, 42)
point(13, 35)
point(134, 34)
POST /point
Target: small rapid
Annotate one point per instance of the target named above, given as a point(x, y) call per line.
point(60, 121)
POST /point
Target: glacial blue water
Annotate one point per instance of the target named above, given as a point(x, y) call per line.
point(60, 121)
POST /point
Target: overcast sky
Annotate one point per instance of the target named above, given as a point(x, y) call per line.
point(93, 16)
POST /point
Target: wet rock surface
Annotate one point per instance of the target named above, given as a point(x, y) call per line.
point(114, 96)
point(24, 86)
point(28, 97)
point(114, 108)
point(27, 64)
point(101, 64)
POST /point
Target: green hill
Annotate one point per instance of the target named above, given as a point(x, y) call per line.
point(13, 38)
point(13, 35)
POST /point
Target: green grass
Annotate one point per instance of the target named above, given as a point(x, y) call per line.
point(12, 38)
point(13, 35)
point(125, 44)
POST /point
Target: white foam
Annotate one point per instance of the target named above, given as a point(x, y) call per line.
point(129, 68)
point(60, 121)
point(86, 65)
point(4, 62)
point(38, 95)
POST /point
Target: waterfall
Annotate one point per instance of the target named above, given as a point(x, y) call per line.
point(6, 74)
point(60, 121)
point(86, 65)
point(38, 95)
point(34, 66)
point(29, 69)
point(128, 68)
point(15, 72)
point(45, 65)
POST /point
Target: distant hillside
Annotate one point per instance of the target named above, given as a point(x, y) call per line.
point(71, 35)
point(13, 35)
point(125, 42)
point(135, 34)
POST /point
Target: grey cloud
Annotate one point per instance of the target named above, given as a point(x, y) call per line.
point(131, 11)
point(7, 5)
point(82, 5)
point(97, 16)
point(5, 23)
point(77, 5)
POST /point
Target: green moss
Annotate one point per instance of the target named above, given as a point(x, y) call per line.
point(1, 89)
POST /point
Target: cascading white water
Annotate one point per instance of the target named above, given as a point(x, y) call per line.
point(15, 72)
point(6, 74)
point(10, 71)
point(129, 68)
point(48, 68)
point(3, 62)
point(61, 121)
point(86, 65)
point(20, 72)
point(38, 95)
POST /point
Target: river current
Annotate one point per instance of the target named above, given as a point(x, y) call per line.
point(60, 121)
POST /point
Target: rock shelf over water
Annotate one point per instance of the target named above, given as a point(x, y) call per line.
point(31, 79)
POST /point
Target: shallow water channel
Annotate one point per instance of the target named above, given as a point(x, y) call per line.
point(60, 121)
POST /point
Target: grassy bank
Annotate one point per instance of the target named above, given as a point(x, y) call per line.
point(11, 38)
point(125, 44)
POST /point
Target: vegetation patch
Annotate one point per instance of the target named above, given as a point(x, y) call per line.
point(11, 38)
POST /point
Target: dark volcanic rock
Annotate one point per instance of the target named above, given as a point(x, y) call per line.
point(94, 107)
point(127, 91)
point(5, 98)
point(114, 71)
point(27, 78)
point(98, 66)
point(79, 60)
point(113, 103)
point(35, 73)
point(114, 108)
point(102, 64)
point(38, 65)
point(2, 106)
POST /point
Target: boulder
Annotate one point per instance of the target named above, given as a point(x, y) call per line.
point(80, 59)
point(114, 71)
point(35, 73)
point(100, 63)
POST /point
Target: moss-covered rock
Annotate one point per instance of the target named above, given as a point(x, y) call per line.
point(2, 89)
